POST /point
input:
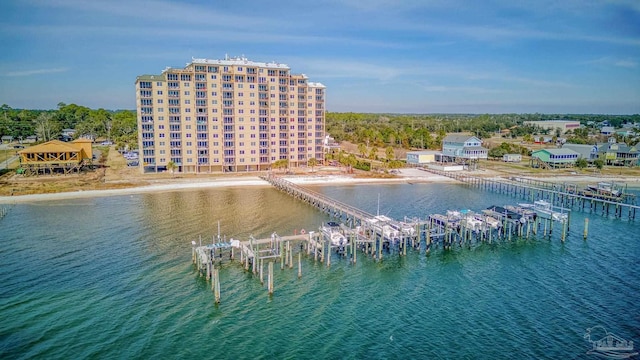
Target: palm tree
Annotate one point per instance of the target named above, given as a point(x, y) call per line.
point(362, 149)
point(312, 162)
point(171, 166)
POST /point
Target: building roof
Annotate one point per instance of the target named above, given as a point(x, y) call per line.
point(558, 151)
point(458, 138)
point(50, 146)
point(239, 61)
point(151, 78)
point(607, 129)
point(583, 149)
point(423, 152)
point(316, 84)
point(82, 140)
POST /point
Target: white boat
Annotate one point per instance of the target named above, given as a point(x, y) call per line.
point(604, 188)
point(331, 232)
point(490, 221)
point(545, 210)
point(384, 225)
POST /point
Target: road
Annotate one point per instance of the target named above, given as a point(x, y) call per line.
point(7, 148)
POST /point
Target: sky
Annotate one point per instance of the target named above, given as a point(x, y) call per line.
point(412, 56)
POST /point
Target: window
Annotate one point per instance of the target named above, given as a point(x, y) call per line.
point(159, 92)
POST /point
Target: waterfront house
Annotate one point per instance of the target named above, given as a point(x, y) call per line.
point(6, 139)
point(554, 158)
point(614, 153)
point(588, 152)
point(463, 147)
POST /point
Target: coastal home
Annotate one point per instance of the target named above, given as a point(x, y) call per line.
point(6, 139)
point(56, 156)
point(613, 153)
point(511, 157)
point(30, 139)
point(421, 157)
point(588, 152)
point(607, 130)
point(463, 147)
point(554, 158)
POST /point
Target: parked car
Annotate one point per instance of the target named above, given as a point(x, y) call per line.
point(106, 143)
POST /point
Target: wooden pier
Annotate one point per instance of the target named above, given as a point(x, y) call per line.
point(378, 236)
point(560, 195)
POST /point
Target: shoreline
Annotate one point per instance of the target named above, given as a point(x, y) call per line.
point(407, 176)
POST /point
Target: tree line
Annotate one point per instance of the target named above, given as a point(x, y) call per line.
point(119, 126)
point(427, 131)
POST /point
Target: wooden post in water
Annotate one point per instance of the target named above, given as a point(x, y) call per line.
point(564, 230)
point(282, 250)
point(270, 278)
point(299, 265)
point(208, 270)
point(290, 256)
point(216, 276)
point(261, 271)
point(328, 253)
point(428, 238)
point(586, 229)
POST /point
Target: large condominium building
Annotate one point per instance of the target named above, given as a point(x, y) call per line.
point(228, 115)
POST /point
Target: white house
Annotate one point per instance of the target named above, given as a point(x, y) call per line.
point(464, 147)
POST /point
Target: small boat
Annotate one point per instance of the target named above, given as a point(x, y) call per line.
point(331, 232)
point(604, 188)
point(545, 210)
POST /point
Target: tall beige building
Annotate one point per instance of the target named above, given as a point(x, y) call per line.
point(228, 115)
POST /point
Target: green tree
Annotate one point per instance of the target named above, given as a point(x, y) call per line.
point(171, 166)
point(362, 149)
point(313, 162)
point(373, 153)
point(582, 163)
point(281, 164)
point(389, 153)
point(599, 163)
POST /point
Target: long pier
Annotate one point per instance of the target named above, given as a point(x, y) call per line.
point(373, 235)
point(350, 215)
point(561, 195)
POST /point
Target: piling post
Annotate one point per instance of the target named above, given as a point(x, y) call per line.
point(299, 265)
point(208, 269)
point(564, 230)
point(586, 229)
point(290, 256)
point(193, 254)
point(261, 272)
point(282, 250)
point(328, 253)
point(216, 276)
point(270, 278)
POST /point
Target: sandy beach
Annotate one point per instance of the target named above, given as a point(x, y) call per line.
point(404, 176)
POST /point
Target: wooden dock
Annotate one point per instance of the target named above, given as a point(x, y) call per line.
point(377, 236)
point(560, 195)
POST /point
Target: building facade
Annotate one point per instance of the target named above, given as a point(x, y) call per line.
point(421, 157)
point(554, 158)
point(228, 115)
point(563, 125)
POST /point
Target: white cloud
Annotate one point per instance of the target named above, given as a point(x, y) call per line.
point(35, 72)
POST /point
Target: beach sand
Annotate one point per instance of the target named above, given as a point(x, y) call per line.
point(404, 176)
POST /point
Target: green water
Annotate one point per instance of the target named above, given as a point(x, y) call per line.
point(112, 278)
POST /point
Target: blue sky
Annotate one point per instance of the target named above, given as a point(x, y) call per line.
point(414, 56)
